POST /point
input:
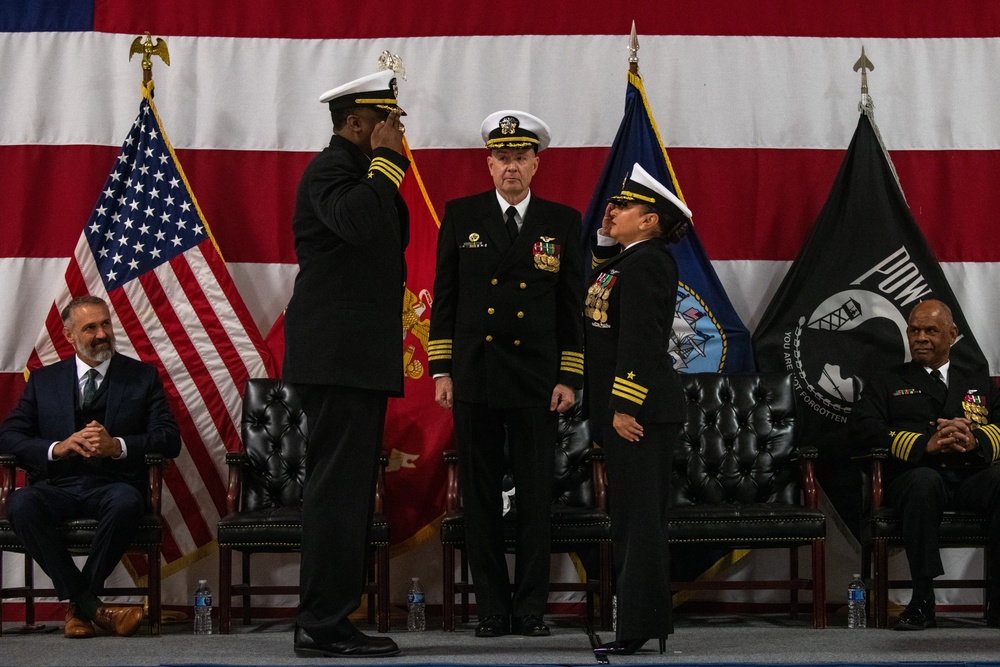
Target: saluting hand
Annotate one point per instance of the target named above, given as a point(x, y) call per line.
point(606, 221)
point(389, 133)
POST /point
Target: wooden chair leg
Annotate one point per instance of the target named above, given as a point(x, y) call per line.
point(1, 593)
point(382, 573)
point(465, 588)
point(153, 585)
point(246, 588)
point(881, 580)
point(819, 583)
point(448, 588)
point(225, 589)
point(793, 574)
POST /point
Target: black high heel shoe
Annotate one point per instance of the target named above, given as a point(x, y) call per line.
point(628, 646)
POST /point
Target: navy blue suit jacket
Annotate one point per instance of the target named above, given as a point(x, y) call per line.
point(137, 412)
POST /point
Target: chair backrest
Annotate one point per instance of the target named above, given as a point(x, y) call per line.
point(274, 440)
point(737, 444)
point(573, 482)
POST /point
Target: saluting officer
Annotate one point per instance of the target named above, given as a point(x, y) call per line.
point(506, 351)
point(635, 395)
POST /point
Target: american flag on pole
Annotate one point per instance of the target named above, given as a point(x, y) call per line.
point(147, 250)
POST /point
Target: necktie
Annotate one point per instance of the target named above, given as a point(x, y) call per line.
point(90, 388)
point(936, 374)
point(511, 222)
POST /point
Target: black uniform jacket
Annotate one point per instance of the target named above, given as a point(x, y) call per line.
point(343, 325)
point(505, 321)
point(899, 408)
point(136, 411)
point(629, 367)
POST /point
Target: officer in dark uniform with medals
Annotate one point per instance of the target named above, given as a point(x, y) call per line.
point(939, 424)
point(343, 350)
point(635, 395)
point(506, 351)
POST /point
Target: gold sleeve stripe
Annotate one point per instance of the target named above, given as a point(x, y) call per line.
point(902, 444)
point(993, 433)
point(570, 356)
point(596, 261)
point(637, 401)
point(388, 164)
point(638, 388)
point(441, 342)
point(391, 171)
point(439, 357)
point(631, 394)
point(571, 368)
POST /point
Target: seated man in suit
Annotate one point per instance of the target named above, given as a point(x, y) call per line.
point(939, 424)
point(82, 429)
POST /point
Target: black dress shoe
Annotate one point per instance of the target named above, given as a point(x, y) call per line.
point(530, 625)
point(627, 646)
point(918, 615)
point(359, 645)
point(495, 625)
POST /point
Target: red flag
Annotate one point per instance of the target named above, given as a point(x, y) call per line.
point(148, 251)
point(417, 429)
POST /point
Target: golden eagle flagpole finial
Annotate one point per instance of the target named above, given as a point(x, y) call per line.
point(633, 52)
point(147, 49)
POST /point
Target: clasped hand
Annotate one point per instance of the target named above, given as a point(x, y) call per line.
point(953, 435)
point(92, 441)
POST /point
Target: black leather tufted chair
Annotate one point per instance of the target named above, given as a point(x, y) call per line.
point(741, 481)
point(881, 530)
point(264, 501)
point(79, 534)
point(580, 520)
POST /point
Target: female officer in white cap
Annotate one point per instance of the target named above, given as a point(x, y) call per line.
point(636, 396)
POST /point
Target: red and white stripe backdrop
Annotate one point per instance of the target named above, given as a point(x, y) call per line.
point(756, 102)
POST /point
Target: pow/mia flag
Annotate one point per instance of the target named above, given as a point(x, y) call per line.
point(840, 312)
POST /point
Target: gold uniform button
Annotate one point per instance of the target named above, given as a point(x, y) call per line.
point(495, 281)
point(489, 338)
point(516, 343)
point(520, 313)
point(523, 285)
point(490, 311)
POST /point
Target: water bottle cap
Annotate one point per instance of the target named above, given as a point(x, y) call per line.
point(856, 576)
point(415, 579)
point(203, 581)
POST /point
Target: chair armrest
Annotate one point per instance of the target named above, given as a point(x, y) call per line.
point(600, 479)
point(234, 490)
point(155, 462)
point(877, 456)
point(453, 497)
point(806, 457)
point(383, 463)
point(8, 473)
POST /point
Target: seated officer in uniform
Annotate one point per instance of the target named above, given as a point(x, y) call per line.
point(939, 424)
point(82, 429)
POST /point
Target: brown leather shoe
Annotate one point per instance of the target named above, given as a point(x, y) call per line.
point(121, 621)
point(77, 627)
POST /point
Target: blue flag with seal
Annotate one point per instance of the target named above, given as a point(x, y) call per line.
point(708, 336)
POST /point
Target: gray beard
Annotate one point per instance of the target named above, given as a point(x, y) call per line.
point(100, 356)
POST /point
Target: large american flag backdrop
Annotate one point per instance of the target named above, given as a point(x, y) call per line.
point(756, 103)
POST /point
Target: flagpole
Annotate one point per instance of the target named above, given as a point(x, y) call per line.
point(867, 107)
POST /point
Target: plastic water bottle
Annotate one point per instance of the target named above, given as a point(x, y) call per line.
point(857, 594)
point(203, 609)
point(416, 619)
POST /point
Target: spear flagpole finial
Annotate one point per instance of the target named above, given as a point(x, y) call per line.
point(148, 50)
point(864, 65)
point(633, 51)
